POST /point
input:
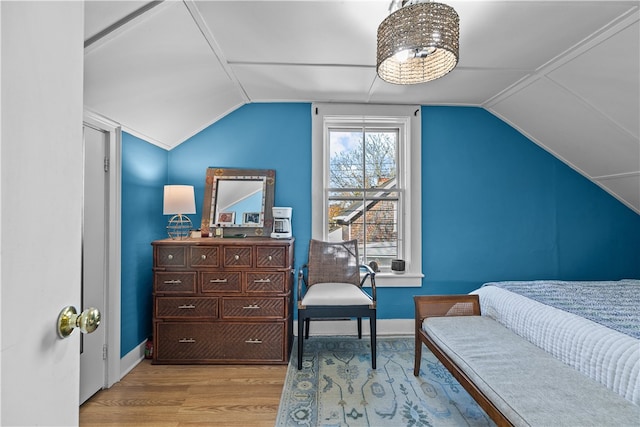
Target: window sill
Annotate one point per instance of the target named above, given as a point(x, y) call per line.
point(392, 280)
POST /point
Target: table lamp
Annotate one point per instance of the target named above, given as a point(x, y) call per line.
point(179, 200)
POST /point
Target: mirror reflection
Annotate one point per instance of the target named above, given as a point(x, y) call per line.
point(239, 202)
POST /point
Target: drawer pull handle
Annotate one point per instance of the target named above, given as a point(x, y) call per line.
point(251, 307)
point(170, 256)
point(186, 340)
point(252, 341)
point(172, 282)
point(262, 281)
point(218, 281)
point(186, 307)
point(203, 256)
point(269, 257)
point(236, 257)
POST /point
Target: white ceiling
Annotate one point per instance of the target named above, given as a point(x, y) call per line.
point(564, 73)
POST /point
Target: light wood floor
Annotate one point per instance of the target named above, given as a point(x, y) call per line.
point(193, 395)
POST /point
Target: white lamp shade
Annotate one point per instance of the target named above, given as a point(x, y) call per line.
point(179, 199)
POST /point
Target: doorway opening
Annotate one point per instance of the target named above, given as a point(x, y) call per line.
point(101, 252)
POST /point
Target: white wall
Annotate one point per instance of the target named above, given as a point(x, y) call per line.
point(41, 205)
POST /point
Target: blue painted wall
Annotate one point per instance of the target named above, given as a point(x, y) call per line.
point(498, 207)
point(144, 173)
point(495, 205)
point(259, 136)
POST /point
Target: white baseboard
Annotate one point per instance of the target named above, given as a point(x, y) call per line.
point(132, 359)
point(317, 327)
point(349, 327)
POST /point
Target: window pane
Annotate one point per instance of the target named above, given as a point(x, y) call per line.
point(372, 220)
point(380, 157)
point(344, 210)
point(382, 232)
point(345, 158)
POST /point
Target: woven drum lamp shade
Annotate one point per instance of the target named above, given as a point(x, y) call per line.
point(418, 43)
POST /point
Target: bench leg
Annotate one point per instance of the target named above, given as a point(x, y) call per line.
point(418, 356)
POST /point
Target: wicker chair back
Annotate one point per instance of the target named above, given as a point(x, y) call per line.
point(333, 262)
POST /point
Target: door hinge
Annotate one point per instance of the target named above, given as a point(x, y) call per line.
point(106, 164)
point(104, 352)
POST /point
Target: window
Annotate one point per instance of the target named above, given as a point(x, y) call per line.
point(363, 195)
point(366, 160)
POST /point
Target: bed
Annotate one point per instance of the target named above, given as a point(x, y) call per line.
point(592, 326)
point(541, 352)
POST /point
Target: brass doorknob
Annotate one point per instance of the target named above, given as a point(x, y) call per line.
point(68, 319)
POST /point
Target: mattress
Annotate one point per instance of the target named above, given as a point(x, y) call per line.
point(528, 385)
point(606, 355)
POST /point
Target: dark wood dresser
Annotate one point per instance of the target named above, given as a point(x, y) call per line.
point(220, 300)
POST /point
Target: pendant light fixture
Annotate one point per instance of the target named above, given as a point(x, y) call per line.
point(418, 42)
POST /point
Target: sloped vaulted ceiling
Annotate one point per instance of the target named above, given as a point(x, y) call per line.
point(566, 74)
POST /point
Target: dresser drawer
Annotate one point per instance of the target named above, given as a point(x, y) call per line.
point(187, 341)
point(266, 281)
point(193, 342)
point(237, 256)
point(204, 256)
point(185, 308)
point(175, 282)
point(220, 281)
point(262, 308)
point(254, 341)
point(171, 256)
point(274, 257)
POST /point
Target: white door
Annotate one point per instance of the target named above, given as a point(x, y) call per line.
point(94, 260)
point(41, 111)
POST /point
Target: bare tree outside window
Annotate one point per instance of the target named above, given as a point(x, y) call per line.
point(363, 190)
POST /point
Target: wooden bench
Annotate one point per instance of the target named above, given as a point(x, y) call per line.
point(515, 382)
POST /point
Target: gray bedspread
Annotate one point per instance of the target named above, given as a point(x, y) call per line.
point(560, 327)
point(614, 304)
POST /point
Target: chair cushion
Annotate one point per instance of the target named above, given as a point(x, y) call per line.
point(335, 294)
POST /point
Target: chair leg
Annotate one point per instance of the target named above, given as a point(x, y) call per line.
point(372, 321)
point(301, 322)
point(306, 328)
point(359, 327)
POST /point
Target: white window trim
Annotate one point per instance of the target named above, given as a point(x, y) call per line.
point(412, 232)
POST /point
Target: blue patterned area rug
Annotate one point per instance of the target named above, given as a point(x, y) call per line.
point(337, 387)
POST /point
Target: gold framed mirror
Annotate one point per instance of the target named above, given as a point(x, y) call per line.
point(240, 201)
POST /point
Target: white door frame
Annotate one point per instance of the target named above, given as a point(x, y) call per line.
point(112, 306)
